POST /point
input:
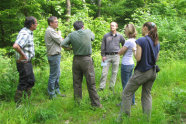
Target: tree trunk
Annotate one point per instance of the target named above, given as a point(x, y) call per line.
point(84, 3)
point(2, 34)
point(68, 10)
point(99, 8)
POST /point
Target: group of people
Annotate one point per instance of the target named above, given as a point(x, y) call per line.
point(143, 49)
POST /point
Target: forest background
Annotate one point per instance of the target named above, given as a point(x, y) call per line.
point(169, 94)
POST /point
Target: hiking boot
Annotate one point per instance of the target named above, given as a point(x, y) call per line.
point(18, 96)
point(28, 93)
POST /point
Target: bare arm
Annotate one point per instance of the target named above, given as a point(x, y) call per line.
point(123, 50)
point(138, 53)
point(18, 49)
point(157, 57)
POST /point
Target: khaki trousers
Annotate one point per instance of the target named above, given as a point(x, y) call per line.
point(114, 60)
point(144, 79)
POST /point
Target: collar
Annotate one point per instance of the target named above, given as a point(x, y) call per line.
point(113, 35)
point(51, 27)
point(28, 30)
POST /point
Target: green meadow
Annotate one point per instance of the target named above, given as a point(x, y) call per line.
point(168, 95)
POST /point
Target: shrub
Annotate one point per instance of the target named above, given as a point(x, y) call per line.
point(98, 26)
point(9, 77)
point(171, 31)
point(175, 106)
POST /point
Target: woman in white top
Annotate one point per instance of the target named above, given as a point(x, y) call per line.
point(127, 50)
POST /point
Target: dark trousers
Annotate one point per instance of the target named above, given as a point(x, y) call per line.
point(83, 65)
point(26, 76)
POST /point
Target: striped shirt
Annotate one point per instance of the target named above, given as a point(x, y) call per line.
point(25, 41)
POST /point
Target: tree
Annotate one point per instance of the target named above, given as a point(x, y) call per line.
point(68, 10)
point(99, 8)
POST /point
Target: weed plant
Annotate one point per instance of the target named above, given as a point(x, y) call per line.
point(168, 94)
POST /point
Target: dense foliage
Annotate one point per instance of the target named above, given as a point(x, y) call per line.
point(169, 16)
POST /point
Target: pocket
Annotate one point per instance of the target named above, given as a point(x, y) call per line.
point(28, 69)
point(128, 68)
point(140, 77)
point(157, 68)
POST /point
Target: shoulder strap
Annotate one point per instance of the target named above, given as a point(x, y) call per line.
point(153, 58)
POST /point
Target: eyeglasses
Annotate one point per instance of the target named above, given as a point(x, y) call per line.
point(35, 23)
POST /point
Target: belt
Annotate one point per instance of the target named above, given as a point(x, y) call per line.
point(82, 55)
point(55, 54)
point(23, 61)
point(112, 53)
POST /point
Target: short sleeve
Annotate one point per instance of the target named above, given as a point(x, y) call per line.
point(139, 42)
point(127, 44)
point(122, 40)
point(22, 39)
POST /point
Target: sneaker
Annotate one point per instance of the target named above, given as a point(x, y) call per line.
point(134, 104)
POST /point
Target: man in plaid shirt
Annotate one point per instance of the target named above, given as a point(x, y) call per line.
point(24, 47)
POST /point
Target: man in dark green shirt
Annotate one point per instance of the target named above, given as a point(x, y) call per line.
point(82, 62)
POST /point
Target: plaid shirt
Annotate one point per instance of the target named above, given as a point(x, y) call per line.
point(25, 41)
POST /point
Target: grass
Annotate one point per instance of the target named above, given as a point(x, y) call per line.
point(168, 94)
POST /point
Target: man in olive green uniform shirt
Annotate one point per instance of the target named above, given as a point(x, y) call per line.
point(82, 62)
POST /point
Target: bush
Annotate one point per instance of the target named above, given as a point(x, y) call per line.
point(175, 106)
point(9, 78)
point(98, 26)
point(171, 32)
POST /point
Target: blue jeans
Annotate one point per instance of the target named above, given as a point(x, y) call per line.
point(126, 73)
point(53, 82)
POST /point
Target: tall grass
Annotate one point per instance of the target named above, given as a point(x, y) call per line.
point(168, 94)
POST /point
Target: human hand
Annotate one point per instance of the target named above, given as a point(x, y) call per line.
point(59, 32)
point(67, 48)
point(133, 49)
point(22, 58)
